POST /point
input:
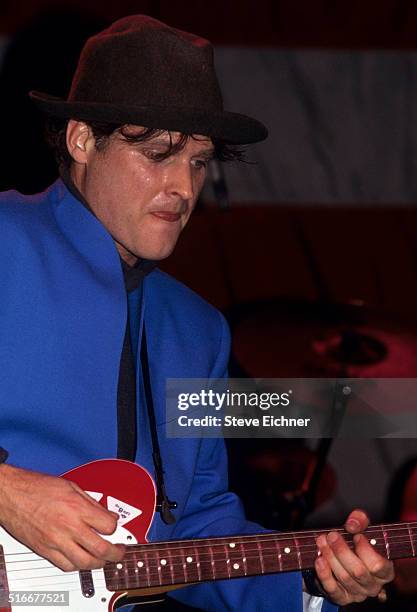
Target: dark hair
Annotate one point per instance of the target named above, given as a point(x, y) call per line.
point(55, 134)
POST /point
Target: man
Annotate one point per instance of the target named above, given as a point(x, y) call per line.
point(142, 120)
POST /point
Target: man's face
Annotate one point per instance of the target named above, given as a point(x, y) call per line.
point(144, 203)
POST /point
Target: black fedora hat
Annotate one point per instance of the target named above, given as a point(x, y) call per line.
point(144, 72)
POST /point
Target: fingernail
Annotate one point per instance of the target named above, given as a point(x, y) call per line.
point(332, 537)
point(353, 524)
point(321, 541)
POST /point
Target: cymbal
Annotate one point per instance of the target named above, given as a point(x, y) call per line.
point(311, 339)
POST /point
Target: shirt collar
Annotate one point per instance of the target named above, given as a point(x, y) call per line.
point(133, 275)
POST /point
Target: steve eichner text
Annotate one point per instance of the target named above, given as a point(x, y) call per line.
point(216, 400)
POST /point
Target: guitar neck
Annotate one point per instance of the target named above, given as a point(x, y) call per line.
point(189, 561)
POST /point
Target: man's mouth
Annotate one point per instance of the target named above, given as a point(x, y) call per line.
point(167, 216)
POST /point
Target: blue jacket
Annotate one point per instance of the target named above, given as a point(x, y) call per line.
point(62, 321)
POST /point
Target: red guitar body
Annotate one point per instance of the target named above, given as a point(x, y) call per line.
point(132, 486)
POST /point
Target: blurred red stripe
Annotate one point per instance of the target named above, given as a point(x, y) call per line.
point(283, 23)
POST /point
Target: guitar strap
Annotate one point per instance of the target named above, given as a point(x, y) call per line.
point(164, 505)
point(126, 418)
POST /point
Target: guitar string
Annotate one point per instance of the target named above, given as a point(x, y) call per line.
point(148, 576)
point(302, 548)
point(149, 580)
point(154, 579)
point(261, 537)
point(152, 574)
point(203, 555)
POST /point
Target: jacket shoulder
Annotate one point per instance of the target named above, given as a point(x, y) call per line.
point(175, 293)
point(18, 210)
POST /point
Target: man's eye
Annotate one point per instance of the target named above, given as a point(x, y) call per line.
point(153, 155)
point(200, 163)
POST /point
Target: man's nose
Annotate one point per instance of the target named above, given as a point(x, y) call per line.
point(181, 181)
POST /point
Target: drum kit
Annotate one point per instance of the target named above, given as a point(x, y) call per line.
point(303, 339)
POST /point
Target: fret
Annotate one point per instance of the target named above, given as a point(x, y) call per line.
point(197, 559)
point(162, 564)
point(386, 541)
point(253, 561)
point(297, 548)
point(237, 564)
point(412, 536)
point(279, 554)
point(147, 569)
point(184, 566)
point(141, 568)
point(244, 561)
point(261, 557)
point(220, 560)
point(226, 554)
point(171, 566)
point(310, 552)
point(212, 562)
point(207, 561)
point(288, 554)
point(135, 567)
point(191, 563)
point(119, 576)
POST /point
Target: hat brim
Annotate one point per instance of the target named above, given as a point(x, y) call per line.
point(230, 127)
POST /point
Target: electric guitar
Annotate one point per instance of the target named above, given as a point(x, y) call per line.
point(148, 570)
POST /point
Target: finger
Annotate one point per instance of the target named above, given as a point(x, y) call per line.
point(70, 557)
point(96, 504)
point(58, 559)
point(382, 596)
point(80, 558)
point(357, 521)
point(377, 565)
point(99, 518)
point(335, 591)
point(345, 569)
point(99, 547)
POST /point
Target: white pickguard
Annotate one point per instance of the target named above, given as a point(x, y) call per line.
point(26, 571)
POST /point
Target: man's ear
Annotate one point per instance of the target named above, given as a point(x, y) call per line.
point(79, 139)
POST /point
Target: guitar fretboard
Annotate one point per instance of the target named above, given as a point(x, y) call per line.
point(200, 560)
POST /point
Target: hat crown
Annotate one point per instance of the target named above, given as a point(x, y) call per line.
point(144, 72)
point(139, 61)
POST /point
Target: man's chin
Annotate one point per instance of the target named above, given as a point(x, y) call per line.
point(153, 254)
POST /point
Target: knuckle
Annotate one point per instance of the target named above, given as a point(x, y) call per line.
point(101, 548)
point(345, 578)
point(359, 598)
point(66, 566)
point(109, 523)
point(332, 589)
point(378, 566)
point(86, 562)
point(93, 564)
point(360, 574)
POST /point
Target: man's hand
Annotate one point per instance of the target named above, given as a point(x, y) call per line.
point(56, 519)
point(352, 575)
